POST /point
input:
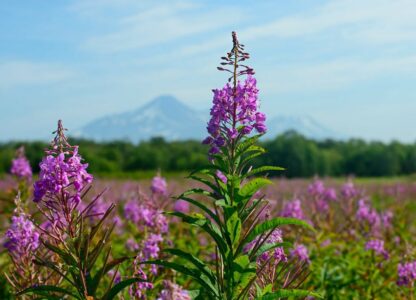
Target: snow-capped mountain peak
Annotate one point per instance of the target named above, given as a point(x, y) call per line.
point(167, 117)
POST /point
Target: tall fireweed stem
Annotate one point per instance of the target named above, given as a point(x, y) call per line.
point(245, 241)
point(75, 252)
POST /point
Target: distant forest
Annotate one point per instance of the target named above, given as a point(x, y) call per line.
point(302, 157)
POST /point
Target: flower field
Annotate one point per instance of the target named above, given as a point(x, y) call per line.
point(225, 232)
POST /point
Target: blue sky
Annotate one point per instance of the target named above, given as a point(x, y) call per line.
point(350, 64)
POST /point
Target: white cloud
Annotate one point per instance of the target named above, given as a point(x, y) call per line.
point(370, 20)
point(333, 74)
point(24, 73)
point(161, 25)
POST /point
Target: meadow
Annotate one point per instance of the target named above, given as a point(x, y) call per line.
point(227, 231)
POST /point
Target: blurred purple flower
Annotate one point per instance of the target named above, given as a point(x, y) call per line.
point(378, 247)
point(367, 214)
point(151, 246)
point(386, 219)
point(144, 215)
point(301, 252)
point(348, 190)
point(173, 291)
point(221, 176)
point(159, 185)
point(278, 253)
point(316, 188)
point(181, 206)
point(22, 238)
point(21, 166)
point(406, 273)
point(330, 194)
point(293, 209)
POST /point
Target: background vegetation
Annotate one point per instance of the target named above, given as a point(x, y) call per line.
point(302, 157)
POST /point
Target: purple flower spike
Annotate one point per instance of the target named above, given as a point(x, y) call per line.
point(293, 209)
point(181, 206)
point(406, 273)
point(159, 185)
point(234, 112)
point(301, 252)
point(21, 166)
point(22, 239)
point(58, 173)
point(378, 247)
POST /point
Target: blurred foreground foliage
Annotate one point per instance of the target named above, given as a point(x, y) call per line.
point(302, 157)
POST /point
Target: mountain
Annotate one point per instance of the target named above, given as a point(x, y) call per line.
point(305, 125)
point(165, 116)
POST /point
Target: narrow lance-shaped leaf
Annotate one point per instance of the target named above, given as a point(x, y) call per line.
point(200, 265)
point(46, 289)
point(119, 287)
point(289, 293)
point(194, 273)
point(273, 224)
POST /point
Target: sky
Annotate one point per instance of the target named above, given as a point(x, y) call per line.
point(349, 64)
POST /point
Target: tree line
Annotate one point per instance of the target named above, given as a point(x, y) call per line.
point(300, 156)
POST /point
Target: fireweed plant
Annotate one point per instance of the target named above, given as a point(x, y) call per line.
point(75, 251)
point(246, 240)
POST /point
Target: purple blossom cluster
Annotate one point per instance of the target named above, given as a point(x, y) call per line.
point(300, 252)
point(406, 273)
point(293, 209)
point(145, 215)
point(60, 173)
point(21, 166)
point(173, 291)
point(22, 238)
point(376, 221)
point(159, 186)
point(234, 114)
point(277, 253)
point(378, 247)
point(366, 213)
point(138, 290)
point(148, 219)
point(322, 195)
point(149, 249)
point(220, 175)
point(348, 190)
point(181, 206)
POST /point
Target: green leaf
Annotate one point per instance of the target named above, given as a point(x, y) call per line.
point(199, 192)
point(66, 257)
point(209, 169)
point(273, 224)
point(45, 290)
point(207, 226)
point(263, 169)
point(205, 181)
point(244, 273)
point(119, 287)
point(97, 250)
point(289, 293)
point(234, 228)
point(194, 273)
point(251, 187)
point(267, 247)
point(97, 227)
point(248, 144)
point(200, 265)
point(201, 206)
point(51, 265)
point(105, 269)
